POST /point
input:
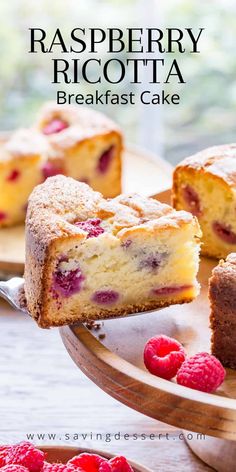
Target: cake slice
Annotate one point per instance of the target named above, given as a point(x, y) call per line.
point(68, 140)
point(88, 143)
point(21, 159)
point(89, 258)
point(222, 294)
point(205, 184)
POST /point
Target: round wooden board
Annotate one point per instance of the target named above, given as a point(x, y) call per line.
point(140, 174)
point(115, 363)
point(64, 454)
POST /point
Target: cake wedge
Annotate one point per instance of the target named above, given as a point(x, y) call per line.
point(88, 258)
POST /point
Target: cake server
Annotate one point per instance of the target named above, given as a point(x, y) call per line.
point(13, 292)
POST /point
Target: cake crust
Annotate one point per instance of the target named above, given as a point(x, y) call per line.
point(219, 161)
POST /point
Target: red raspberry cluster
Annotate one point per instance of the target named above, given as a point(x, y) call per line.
point(25, 457)
point(165, 357)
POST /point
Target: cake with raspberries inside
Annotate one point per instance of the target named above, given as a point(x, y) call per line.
point(222, 294)
point(205, 184)
point(89, 258)
point(73, 141)
point(87, 143)
point(22, 158)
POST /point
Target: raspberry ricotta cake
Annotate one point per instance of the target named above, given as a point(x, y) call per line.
point(68, 140)
point(87, 143)
point(222, 294)
point(205, 184)
point(89, 258)
point(21, 159)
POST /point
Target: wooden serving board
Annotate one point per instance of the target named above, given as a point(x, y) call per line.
point(64, 454)
point(114, 362)
point(142, 173)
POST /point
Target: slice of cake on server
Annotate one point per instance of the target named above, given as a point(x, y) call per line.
point(90, 258)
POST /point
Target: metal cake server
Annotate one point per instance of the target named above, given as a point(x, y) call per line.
point(13, 292)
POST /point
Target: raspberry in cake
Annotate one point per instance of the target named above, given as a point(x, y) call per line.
point(222, 294)
point(205, 184)
point(89, 144)
point(88, 258)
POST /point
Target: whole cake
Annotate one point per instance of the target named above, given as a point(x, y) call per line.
point(205, 184)
point(68, 140)
point(222, 294)
point(89, 258)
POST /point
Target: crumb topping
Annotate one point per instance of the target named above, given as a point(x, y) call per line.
point(59, 204)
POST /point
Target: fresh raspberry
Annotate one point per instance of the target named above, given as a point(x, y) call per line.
point(14, 468)
point(105, 160)
point(59, 468)
point(55, 126)
point(92, 227)
point(27, 455)
point(201, 372)
point(163, 356)
point(120, 464)
point(3, 454)
point(90, 463)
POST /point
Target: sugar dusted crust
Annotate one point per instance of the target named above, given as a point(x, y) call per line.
point(84, 123)
point(53, 209)
point(219, 161)
point(23, 143)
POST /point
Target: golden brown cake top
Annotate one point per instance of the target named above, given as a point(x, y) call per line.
point(60, 201)
point(218, 160)
point(83, 123)
point(23, 142)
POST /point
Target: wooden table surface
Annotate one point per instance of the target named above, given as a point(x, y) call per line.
point(43, 392)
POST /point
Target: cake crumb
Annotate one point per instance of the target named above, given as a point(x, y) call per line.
point(102, 336)
point(93, 325)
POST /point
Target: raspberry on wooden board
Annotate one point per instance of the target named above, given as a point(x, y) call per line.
point(163, 356)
